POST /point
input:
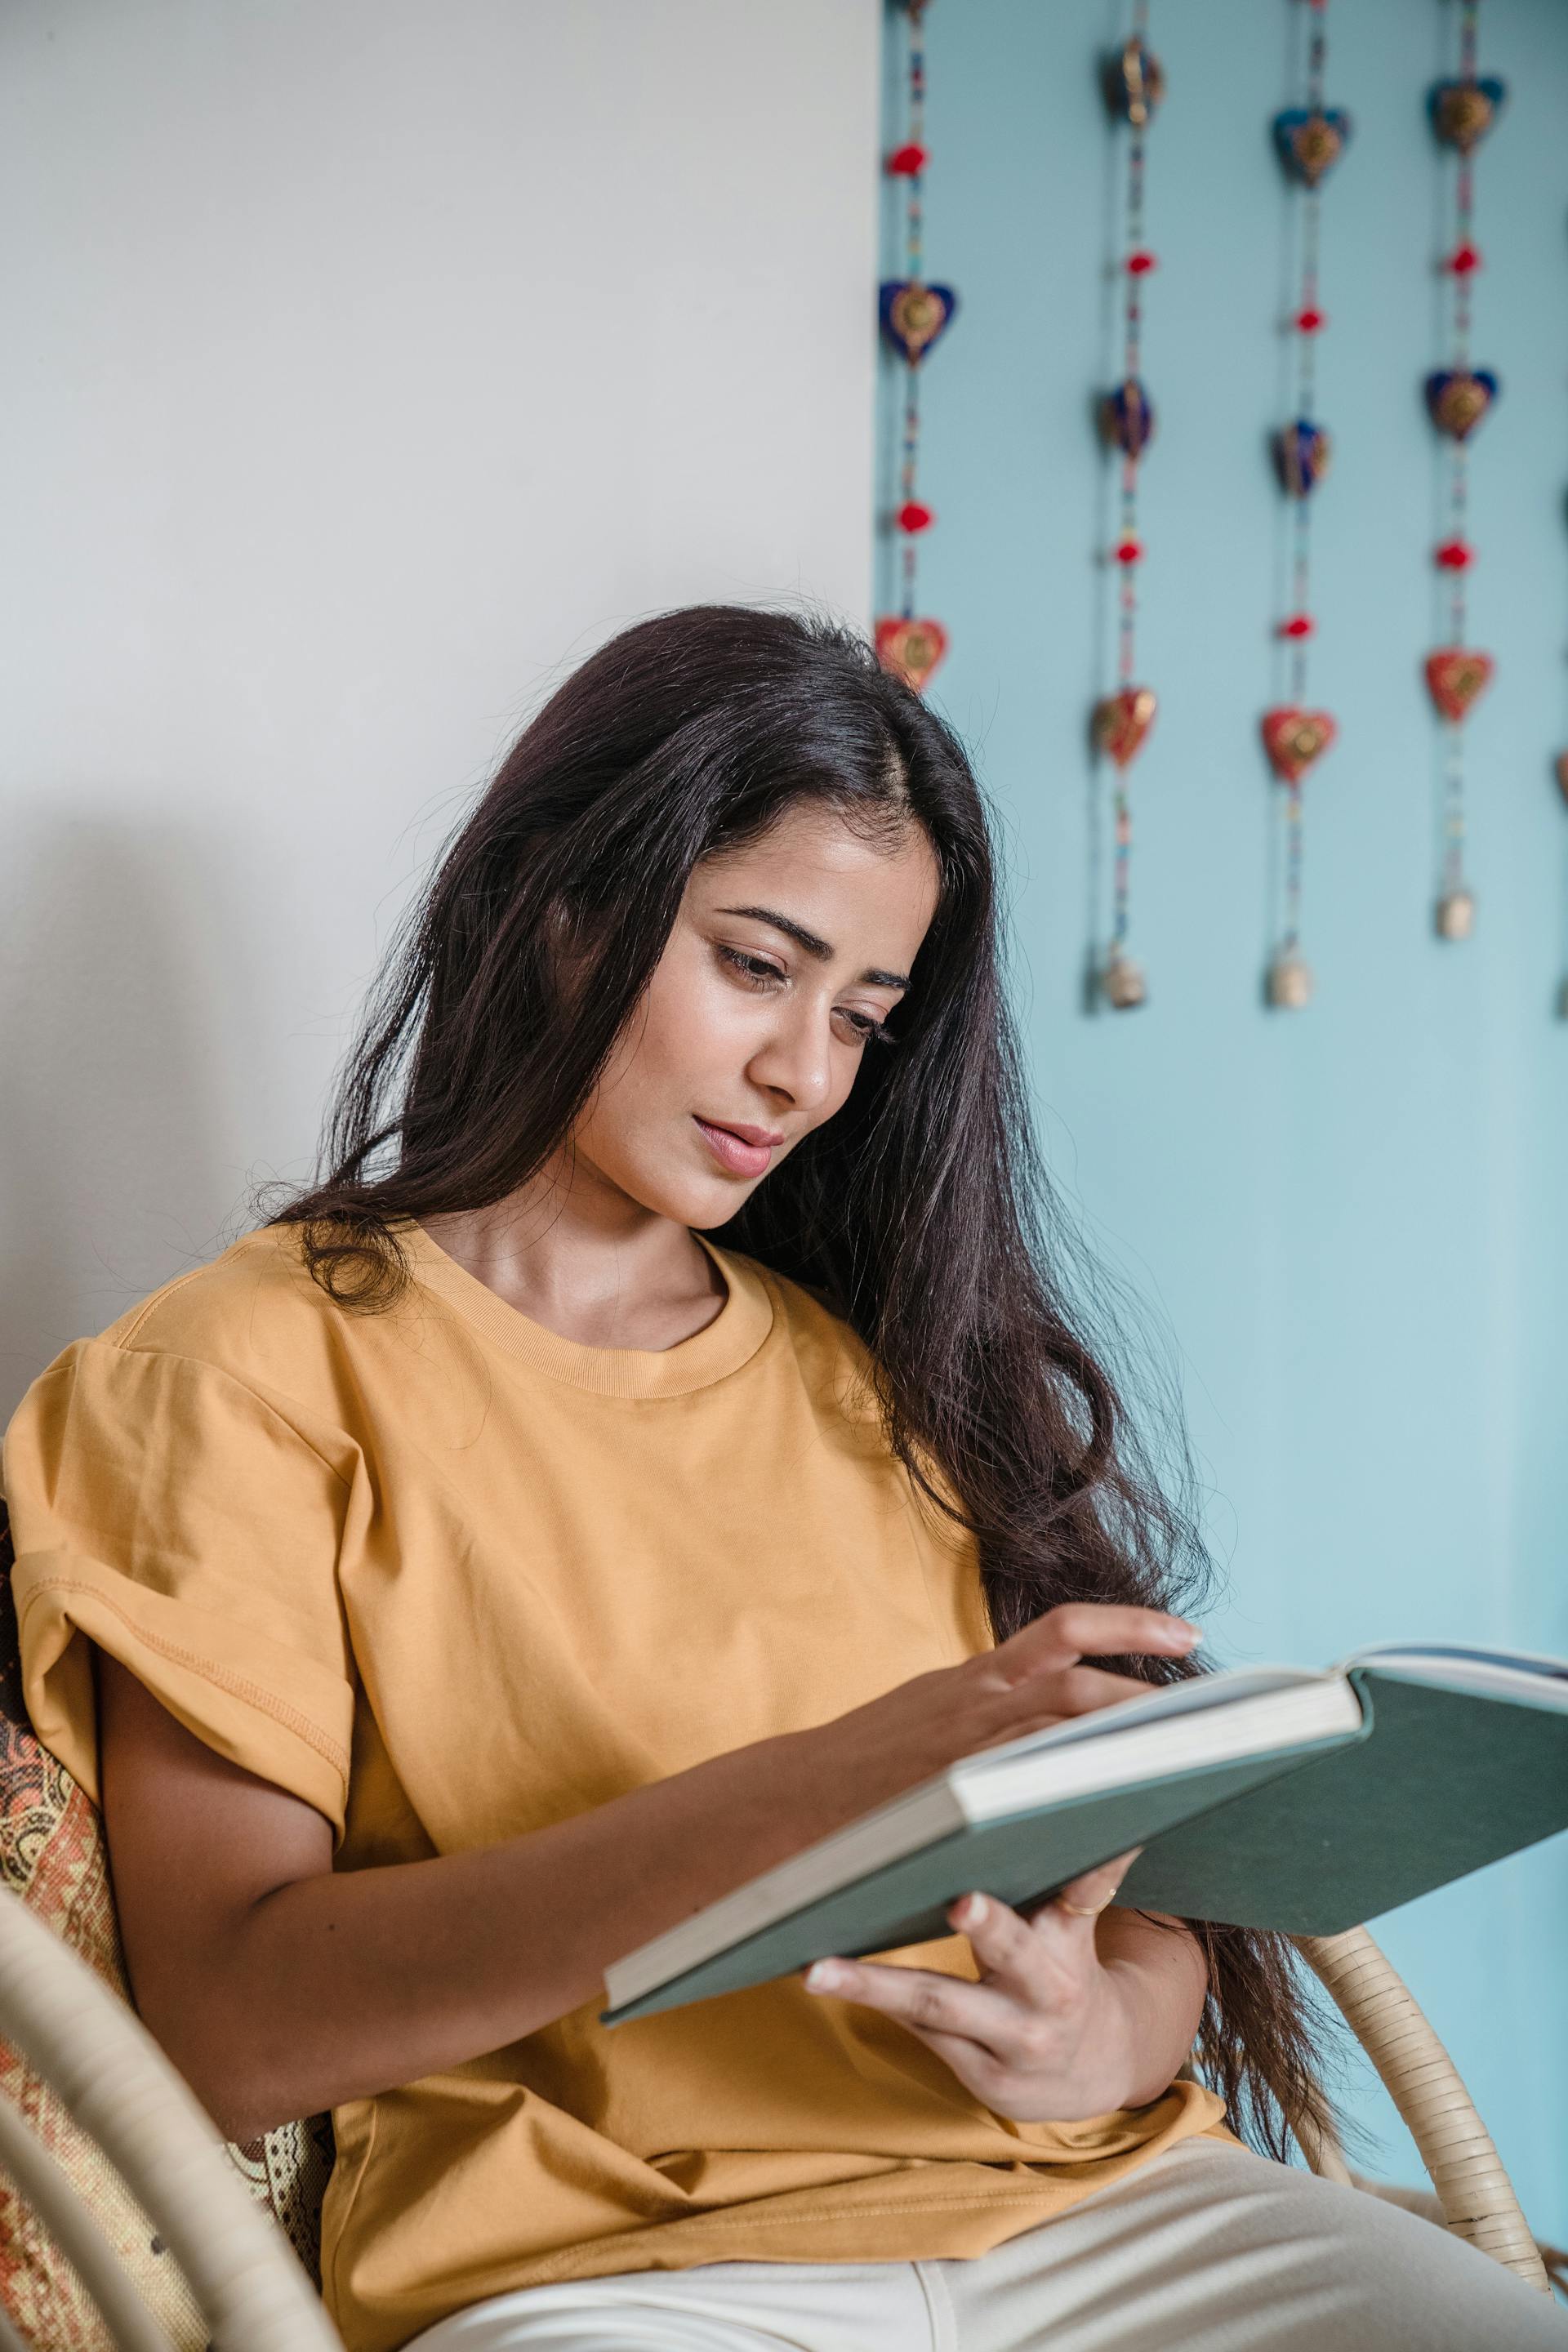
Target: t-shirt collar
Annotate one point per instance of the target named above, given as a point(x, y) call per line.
point(722, 1346)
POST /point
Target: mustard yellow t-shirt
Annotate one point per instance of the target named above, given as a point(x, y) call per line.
point(449, 1578)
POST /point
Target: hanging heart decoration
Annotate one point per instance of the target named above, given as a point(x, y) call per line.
point(1464, 111)
point(1122, 720)
point(1457, 677)
point(911, 648)
point(1310, 140)
point(1135, 83)
point(1127, 418)
point(1303, 453)
point(1119, 721)
point(914, 315)
point(1459, 398)
point(1294, 739)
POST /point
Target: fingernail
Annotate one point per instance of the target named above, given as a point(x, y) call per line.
point(1185, 1632)
point(970, 1911)
point(823, 1976)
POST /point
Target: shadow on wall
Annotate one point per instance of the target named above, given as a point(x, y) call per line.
point(124, 1046)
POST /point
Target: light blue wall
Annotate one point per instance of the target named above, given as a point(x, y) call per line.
point(1349, 1221)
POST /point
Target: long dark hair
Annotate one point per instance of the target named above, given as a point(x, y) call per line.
point(920, 1212)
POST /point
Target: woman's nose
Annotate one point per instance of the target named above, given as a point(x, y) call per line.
point(795, 1060)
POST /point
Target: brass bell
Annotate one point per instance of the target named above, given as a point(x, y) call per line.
point(1289, 982)
point(1456, 914)
point(1123, 981)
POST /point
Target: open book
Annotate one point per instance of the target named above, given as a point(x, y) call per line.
point(1266, 1798)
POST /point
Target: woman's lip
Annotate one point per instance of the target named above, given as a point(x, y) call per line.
point(733, 1151)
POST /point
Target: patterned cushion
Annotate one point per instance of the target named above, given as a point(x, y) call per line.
point(52, 1855)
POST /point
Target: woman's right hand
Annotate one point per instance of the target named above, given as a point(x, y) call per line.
point(1025, 1683)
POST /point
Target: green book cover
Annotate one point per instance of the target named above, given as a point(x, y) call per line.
point(1448, 1781)
point(1020, 1859)
point(1437, 1781)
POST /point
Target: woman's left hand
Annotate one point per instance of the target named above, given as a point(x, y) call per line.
point(1053, 2031)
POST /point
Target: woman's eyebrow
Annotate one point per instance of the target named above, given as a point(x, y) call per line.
point(813, 946)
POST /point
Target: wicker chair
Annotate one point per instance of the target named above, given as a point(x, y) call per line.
point(246, 2280)
point(248, 2285)
point(1471, 2194)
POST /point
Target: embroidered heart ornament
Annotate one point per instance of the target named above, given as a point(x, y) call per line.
point(1459, 398)
point(1122, 720)
point(914, 316)
point(1310, 140)
point(1294, 739)
point(1457, 676)
point(1464, 111)
point(1133, 81)
point(911, 649)
point(1127, 418)
point(1303, 453)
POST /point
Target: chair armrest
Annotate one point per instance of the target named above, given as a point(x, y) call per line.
point(1475, 2192)
point(117, 2084)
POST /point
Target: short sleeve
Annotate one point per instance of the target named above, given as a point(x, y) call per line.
point(165, 1510)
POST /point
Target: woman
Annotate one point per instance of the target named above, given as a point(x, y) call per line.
point(656, 1441)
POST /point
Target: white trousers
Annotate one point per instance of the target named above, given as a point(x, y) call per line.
point(1208, 2246)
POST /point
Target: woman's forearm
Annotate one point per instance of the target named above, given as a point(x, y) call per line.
point(345, 1983)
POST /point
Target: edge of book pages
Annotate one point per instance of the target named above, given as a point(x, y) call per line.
point(1260, 1711)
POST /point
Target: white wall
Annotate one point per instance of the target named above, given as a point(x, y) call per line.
point(366, 362)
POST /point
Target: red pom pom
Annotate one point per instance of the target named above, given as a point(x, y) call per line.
point(1130, 551)
point(909, 163)
point(1463, 260)
point(1308, 322)
point(1140, 264)
point(912, 516)
point(1455, 555)
point(1299, 624)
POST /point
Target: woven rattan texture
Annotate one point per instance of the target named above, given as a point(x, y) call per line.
point(52, 1855)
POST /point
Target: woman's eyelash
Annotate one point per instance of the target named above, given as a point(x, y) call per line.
point(877, 1032)
point(750, 967)
point(758, 972)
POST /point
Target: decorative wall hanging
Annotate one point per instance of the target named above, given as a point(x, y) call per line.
point(1459, 398)
point(1310, 139)
point(914, 316)
point(1560, 770)
point(1133, 84)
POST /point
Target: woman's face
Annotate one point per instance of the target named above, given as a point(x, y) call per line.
point(785, 958)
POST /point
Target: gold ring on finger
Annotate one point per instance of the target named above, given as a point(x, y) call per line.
point(1088, 1910)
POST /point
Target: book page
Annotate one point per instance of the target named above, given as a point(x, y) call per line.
point(1176, 1699)
point(1500, 1674)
